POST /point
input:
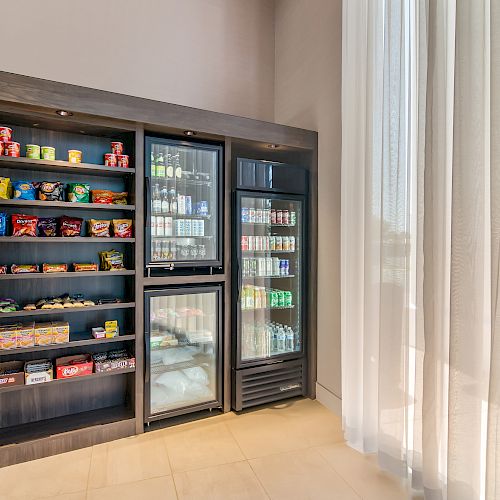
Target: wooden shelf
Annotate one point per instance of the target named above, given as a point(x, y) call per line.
point(60, 239)
point(63, 166)
point(44, 312)
point(76, 340)
point(69, 274)
point(65, 205)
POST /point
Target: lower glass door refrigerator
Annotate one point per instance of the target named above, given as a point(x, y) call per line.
point(183, 350)
point(269, 303)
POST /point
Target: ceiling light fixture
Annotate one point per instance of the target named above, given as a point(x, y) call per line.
point(36, 124)
point(63, 112)
point(189, 133)
point(273, 146)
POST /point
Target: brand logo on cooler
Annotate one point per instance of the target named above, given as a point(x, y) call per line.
point(285, 388)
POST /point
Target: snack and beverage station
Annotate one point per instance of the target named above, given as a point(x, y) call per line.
point(146, 271)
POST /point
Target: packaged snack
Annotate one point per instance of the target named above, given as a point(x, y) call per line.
point(24, 268)
point(3, 224)
point(122, 228)
point(2, 147)
point(26, 335)
point(12, 149)
point(6, 134)
point(54, 268)
point(8, 336)
point(48, 153)
point(3, 269)
point(33, 151)
point(119, 198)
point(111, 260)
point(74, 156)
point(77, 365)
point(38, 371)
point(51, 191)
point(60, 330)
point(43, 334)
point(24, 225)
point(117, 147)
point(70, 226)
point(11, 372)
point(5, 188)
point(84, 267)
point(47, 226)
point(102, 196)
point(99, 228)
point(8, 305)
point(78, 192)
point(110, 160)
point(24, 190)
point(122, 161)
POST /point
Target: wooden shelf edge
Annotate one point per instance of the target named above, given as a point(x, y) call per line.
point(43, 312)
point(65, 204)
point(61, 239)
point(66, 275)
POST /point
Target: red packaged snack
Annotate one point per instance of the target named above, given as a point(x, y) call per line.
point(1, 148)
point(70, 226)
point(110, 160)
point(24, 268)
point(6, 134)
point(122, 228)
point(74, 366)
point(122, 161)
point(117, 148)
point(54, 268)
point(102, 196)
point(24, 225)
point(12, 149)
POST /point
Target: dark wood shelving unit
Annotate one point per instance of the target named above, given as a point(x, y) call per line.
point(65, 205)
point(66, 275)
point(67, 310)
point(60, 239)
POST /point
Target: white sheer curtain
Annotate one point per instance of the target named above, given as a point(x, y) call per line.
point(421, 241)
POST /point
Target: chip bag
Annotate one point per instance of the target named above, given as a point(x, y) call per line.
point(122, 228)
point(111, 260)
point(24, 225)
point(24, 190)
point(99, 228)
point(5, 188)
point(70, 226)
point(78, 192)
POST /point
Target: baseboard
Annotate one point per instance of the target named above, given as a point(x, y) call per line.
point(328, 399)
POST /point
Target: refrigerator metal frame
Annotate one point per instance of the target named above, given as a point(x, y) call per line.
point(238, 363)
point(183, 290)
point(171, 265)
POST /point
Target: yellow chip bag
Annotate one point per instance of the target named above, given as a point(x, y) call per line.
point(5, 188)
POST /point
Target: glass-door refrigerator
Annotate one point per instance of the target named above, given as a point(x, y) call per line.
point(183, 350)
point(270, 300)
point(183, 204)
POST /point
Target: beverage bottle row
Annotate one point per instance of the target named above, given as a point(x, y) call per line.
point(265, 266)
point(268, 243)
point(268, 216)
point(165, 165)
point(267, 339)
point(165, 226)
point(170, 250)
point(168, 201)
point(259, 297)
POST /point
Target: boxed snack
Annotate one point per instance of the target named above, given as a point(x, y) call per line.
point(24, 268)
point(98, 332)
point(51, 191)
point(8, 336)
point(44, 334)
point(60, 331)
point(26, 335)
point(24, 225)
point(78, 192)
point(54, 268)
point(77, 365)
point(113, 360)
point(11, 373)
point(111, 328)
point(38, 371)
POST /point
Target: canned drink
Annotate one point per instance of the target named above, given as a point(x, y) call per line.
point(281, 298)
point(286, 243)
point(269, 266)
point(253, 267)
point(189, 205)
point(293, 218)
point(273, 299)
point(279, 243)
point(117, 148)
point(276, 266)
point(258, 216)
point(259, 244)
point(110, 160)
point(272, 243)
point(5, 134)
point(279, 217)
point(244, 244)
point(292, 243)
point(251, 243)
point(287, 299)
point(287, 267)
point(282, 267)
point(153, 225)
point(244, 215)
point(261, 266)
point(251, 215)
point(267, 216)
point(273, 216)
point(48, 153)
point(12, 149)
point(245, 268)
point(33, 151)
point(122, 161)
point(286, 217)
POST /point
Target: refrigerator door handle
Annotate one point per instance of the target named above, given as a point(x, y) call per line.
point(239, 279)
point(147, 187)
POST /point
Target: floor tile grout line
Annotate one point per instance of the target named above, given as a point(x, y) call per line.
point(164, 441)
point(88, 472)
point(268, 494)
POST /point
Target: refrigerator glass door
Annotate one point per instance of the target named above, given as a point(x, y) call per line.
point(183, 203)
point(270, 281)
point(183, 346)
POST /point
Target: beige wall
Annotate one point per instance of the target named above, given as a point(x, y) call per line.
point(308, 42)
point(210, 54)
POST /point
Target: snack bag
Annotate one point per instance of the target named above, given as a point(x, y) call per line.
point(78, 192)
point(102, 196)
point(47, 226)
point(24, 225)
point(54, 268)
point(70, 226)
point(111, 260)
point(24, 190)
point(80, 267)
point(119, 198)
point(99, 228)
point(5, 188)
point(122, 228)
point(3, 224)
point(51, 191)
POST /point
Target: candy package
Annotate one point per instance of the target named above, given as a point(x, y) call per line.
point(70, 226)
point(24, 225)
point(54, 268)
point(99, 228)
point(78, 192)
point(47, 226)
point(24, 190)
point(3, 224)
point(80, 267)
point(5, 188)
point(120, 198)
point(51, 191)
point(122, 228)
point(102, 196)
point(111, 260)
point(3, 269)
point(24, 268)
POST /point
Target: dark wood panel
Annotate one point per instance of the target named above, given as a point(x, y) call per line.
point(67, 275)
point(184, 280)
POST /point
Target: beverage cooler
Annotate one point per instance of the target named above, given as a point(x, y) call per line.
point(269, 267)
point(183, 350)
point(183, 204)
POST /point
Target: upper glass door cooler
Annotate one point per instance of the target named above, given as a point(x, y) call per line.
point(183, 205)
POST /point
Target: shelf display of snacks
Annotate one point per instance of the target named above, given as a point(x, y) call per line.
point(117, 359)
point(111, 260)
point(11, 373)
point(78, 192)
point(38, 371)
point(77, 365)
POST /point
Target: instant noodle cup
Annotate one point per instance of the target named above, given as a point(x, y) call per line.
point(12, 149)
point(123, 161)
point(117, 148)
point(48, 153)
point(110, 160)
point(33, 151)
point(5, 134)
point(74, 156)
point(1, 148)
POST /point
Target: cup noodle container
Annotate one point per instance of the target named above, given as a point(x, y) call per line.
point(117, 148)
point(5, 134)
point(12, 149)
point(122, 161)
point(110, 160)
point(48, 153)
point(74, 156)
point(1, 148)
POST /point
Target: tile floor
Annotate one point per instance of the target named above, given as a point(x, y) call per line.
point(292, 450)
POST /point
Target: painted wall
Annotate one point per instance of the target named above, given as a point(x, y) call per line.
point(308, 41)
point(210, 54)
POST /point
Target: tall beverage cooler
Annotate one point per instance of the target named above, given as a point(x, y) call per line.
point(269, 303)
point(183, 204)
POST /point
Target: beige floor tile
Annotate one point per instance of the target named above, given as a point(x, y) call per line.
point(223, 482)
point(201, 444)
point(285, 427)
point(81, 495)
point(128, 460)
point(159, 488)
point(363, 474)
point(301, 475)
point(47, 477)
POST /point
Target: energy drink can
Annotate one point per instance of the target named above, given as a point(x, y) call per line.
point(244, 214)
point(287, 299)
point(279, 217)
point(251, 215)
point(281, 298)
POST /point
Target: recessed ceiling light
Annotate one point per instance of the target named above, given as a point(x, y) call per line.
point(273, 146)
point(189, 132)
point(82, 132)
point(36, 124)
point(63, 112)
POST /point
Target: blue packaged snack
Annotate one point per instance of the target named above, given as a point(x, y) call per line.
point(24, 190)
point(3, 224)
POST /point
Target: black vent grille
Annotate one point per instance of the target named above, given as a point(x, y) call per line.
point(256, 386)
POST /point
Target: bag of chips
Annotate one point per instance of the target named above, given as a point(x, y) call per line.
point(120, 198)
point(3, 224)
point(70, 226)
point(78, 192)
point(5, 188)
point(111, 260)
point(102, 196)
point(24, 190)
point(99, 228)
point(24, 225)
point(51, 191)
point(122, 228)
point(47, 226)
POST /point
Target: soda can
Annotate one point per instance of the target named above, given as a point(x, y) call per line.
point(276, 266)
point(244, 269)
point(266, 243)
point(282, 267)
point(287, 267)
point(293, 218)
point(272, 242)
point(251, 215)
point(281, 298)
point(279, 243)
point(153, 225)
point(286, 243)
point(269, 266)
point(189, 205)
point(273, 299)
point(253, 267)
point(273, 216)
point(287, 299)
point(251, 243)
point(261, 266)
point(258, 216)
point(244, 244)
point(279, 217)
point(286, 217)
point(244, 215)
point(292, 243)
